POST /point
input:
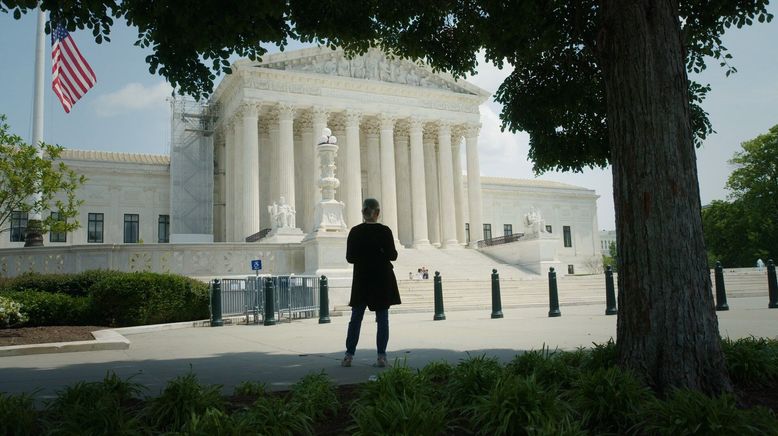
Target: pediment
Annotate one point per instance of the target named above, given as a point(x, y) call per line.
point(373, 65)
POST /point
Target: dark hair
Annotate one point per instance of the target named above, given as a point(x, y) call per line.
point(369, 207)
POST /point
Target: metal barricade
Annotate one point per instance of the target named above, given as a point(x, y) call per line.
point(295, 297)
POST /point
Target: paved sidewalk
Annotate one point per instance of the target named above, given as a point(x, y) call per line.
point(279, 355)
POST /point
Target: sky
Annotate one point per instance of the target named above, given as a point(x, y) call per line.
point(128, 111)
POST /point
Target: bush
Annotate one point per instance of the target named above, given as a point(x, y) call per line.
point(400, 415)
point(547, 366)
point(314, 395)
point(692, 413)
point(45, 309)
point(609, 399)
point(95, 408)
point(76, 285)
point(516, 405)
point(271, 416)
point(751, 360)
point(182, 398)
point(147, 298)
point(11, 313)
point(471, 378)
point(17, 415)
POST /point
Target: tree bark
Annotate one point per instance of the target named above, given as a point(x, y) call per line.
point(667, 327)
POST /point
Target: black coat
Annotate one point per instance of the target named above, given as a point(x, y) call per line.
point(371, 249)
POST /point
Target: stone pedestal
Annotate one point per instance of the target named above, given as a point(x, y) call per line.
point(284, 235)
point(535, 254)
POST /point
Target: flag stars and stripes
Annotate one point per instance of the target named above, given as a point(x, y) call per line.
point(71, 75)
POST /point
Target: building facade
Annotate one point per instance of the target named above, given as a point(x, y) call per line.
point(407, 137)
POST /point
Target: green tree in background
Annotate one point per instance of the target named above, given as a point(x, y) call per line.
point(593, 82)
point(25, 172)
point(739, 231)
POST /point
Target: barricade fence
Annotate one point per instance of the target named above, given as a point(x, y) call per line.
point(295, 297)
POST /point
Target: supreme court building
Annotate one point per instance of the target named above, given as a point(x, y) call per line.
point(406, 136)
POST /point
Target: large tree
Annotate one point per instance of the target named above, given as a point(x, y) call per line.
point(32, 180)
point(743, 229)
point(594, 82)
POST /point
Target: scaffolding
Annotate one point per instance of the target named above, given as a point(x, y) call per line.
point(191, 170)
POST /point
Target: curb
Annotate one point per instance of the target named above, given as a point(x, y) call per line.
point(108, 339)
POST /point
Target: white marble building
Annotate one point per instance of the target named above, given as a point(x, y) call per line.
point(407, 136)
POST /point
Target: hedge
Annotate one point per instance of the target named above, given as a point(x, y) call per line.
point(107, 298)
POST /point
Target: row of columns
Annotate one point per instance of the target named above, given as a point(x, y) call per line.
point(429, 204)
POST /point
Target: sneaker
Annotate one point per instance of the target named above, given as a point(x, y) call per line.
point(380, 362)
point(346, 362)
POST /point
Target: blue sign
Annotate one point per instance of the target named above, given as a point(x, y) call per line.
point(256, 265)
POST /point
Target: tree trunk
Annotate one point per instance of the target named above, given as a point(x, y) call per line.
point(667, 328)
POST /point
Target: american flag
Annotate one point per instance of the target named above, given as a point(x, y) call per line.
point(71, 75)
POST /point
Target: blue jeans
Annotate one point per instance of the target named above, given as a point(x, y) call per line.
point(355, 325)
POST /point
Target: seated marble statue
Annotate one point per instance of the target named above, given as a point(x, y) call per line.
point(282, 215)
point(534, 223)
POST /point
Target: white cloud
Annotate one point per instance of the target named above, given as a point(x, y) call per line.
point(133, 97)
point(489, 77)
point(502, 154)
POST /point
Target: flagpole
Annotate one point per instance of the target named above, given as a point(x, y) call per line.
point(34, 238)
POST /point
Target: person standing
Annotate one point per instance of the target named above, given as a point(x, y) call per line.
point(370, 247)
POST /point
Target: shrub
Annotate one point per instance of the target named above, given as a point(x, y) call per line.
point(44, 309)
point(17, 415)
point(471, 378)
point(148, 298)
point(751, 360)
point(76, 285)
point(211, 422)
point(547, 366)
point(690, 412)
point(182, 398)
point(272, 416)
point(516, 405)
point(436, 373)
point(609, 399)
point(314, 395)
point(250, 389)
point(602, 356)
point(11, 313)
point(395, 382)
point(400, 415)
point(95, 408)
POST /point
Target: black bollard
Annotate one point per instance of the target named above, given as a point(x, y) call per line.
point(216, 304)
point(496, 302)
point(438, 283)
point(270, 302)
point(553, 295)
point(772, 285)
point(721, 291)
point(610, 292)
point(324, 301)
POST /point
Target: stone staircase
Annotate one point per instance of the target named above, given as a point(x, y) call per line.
point(527, 290)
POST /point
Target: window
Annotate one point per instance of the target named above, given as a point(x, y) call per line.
point(94, 228)
point(507, 229)
point(487, 231)
point(570, 269)
point(18, 226)
point(131, 228)
point(567, 237)
point(163, 229)
point(548, 229)
point(57, 236)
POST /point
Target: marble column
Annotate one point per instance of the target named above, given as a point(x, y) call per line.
point(459, 195)
point(352, 186)
point(273, 133)
point(319, 117)
point(250, 157)
point(239, 183)
point(388, 178)
point(446, 169)
point(372, 130)
point(431, 185)
point(403, 169)
point(307, 160)
point(229, 198)
point(418, 192)
point(474, 186)
point(219, 181)
point(285, 155)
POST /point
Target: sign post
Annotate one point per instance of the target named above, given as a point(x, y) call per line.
point(256, 265)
